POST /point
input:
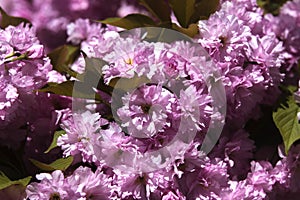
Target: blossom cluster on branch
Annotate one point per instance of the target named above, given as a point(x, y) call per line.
point(186, 105)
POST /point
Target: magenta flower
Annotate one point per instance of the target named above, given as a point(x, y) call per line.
point(147, 111)
point(9, 96)
point(82, 184)
point(52, 186)
point(116, 150)
point(287, 29)
point(23, 68)
point(82, 132)
point(236, 149)
point(82, 30)
point(90, 185)
point(249, 63)
point(125, 57)
point(247, 11)
point(224, 35)
point(51, 17)
point(143, 185)
point(26, 64)
point(204, 181)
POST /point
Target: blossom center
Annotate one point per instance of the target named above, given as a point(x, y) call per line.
point(142, 179)
point(146, 108)
point(129, 61)
point(55, 196)
point(222, 40)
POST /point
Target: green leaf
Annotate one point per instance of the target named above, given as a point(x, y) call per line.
point(130, 21)
point(92, 70)
point(74, 89)
point(93, 74)
point(286, 121)
point(6, 182)
point(154, 34)
point(10, 20)
point(183, 10)
point(159, 8)
point(203, 9)
point(62, 57)
point(59, 164)
point(128, 84)
point(271, 6)
point(94, 65)
point(12, 164)
point(191, 31)
point(54, 140)
point(64, 88)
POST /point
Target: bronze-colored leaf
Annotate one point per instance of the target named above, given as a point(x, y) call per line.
point(183, 10)
point(11, 20)
point(191, 31)
point(159, 8)
point(130, 21)
point(62, 57)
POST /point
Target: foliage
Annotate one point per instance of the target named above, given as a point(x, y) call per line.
point(287, 121)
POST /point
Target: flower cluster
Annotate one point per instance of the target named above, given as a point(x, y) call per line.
point(149, 113)
point(82, 184)
point(52, 17)
point(248, 56)
point(27, 117)
point(287, 29)
point(23, 69)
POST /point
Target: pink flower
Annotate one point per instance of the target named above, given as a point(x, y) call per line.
point(87, 184)
point(8, 99)
point(224, 35)
point(52, 186)
point(204, 181)
point(51, 17)
point(82, 132)
point(82, 30)
point(236, 149)
point(143, 185)
point(147, 111)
